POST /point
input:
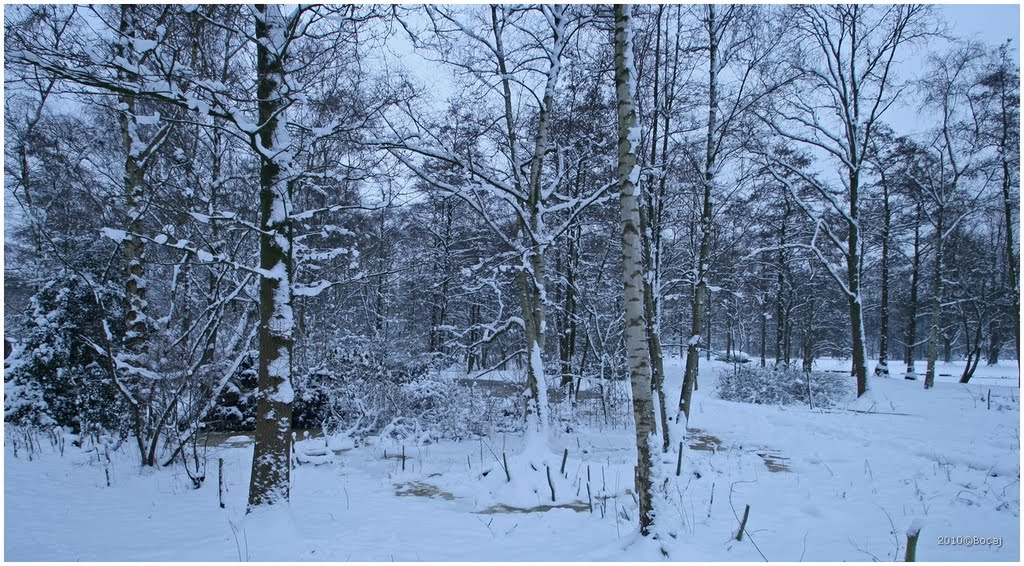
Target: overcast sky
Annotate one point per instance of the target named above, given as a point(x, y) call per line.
point(990, 23)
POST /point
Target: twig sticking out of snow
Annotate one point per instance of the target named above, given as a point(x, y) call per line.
point(743, 523)
point(550, 484)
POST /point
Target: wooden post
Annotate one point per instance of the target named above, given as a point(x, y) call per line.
point(743, 523)
point(508, 477)
point(679, 461)
point(912, 534)
point(403, 457)
point(220, 481)
point(990, 399)
point(565, 456)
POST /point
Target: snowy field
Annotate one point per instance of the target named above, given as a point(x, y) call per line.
point(827, 485)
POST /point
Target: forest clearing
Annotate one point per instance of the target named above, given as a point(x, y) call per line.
point(822, 485)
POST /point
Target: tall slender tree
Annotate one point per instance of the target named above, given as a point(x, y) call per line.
point(637, 352)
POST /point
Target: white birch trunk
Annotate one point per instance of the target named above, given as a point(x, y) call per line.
point(632, 264)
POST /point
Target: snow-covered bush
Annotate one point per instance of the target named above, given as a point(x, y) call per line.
point(783, 386)
point(58, 378)
point(403, 400)
point(236, 405)
point(733, 357)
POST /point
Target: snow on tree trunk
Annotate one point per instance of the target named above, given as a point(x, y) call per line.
point(854, 263)
point(632, 264)
point(650, 230)
point(134, 248)
point(135, 321)
point(536, 384)
point(271, 465)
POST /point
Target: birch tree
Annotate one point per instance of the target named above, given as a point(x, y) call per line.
point(635, 331)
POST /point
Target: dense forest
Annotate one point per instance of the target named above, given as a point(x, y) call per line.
point(277, 218)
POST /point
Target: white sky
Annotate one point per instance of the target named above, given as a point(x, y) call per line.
point(990, 23)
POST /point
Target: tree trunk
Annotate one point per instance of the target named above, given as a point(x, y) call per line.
point(271, 463)
point(532, 291)
point(136, 326)
point(882, 369)
point(648, 229)
point(135, 321)
point(700, 295)
point(210, 347)
point(1007, 107)
point(780, 292)
point(707, 340)
point(973, 351)
point(728, 340)
point(936, 311)
point(912, 306)
point(472, 355)
point(536, 384)
point(764, 333)
point(567, 345)
point(995, 343)
point(787, 346)
point(637, 351)
point(853, 267)
point(653, 335)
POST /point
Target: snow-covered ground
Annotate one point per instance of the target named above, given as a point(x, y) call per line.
point(839, 484)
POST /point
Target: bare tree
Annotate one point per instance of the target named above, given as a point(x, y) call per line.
point(515, 183)
point(951, 160)
point(845, 62)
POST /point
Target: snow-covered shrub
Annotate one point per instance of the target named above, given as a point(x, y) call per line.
point(783, 386)
point(342, 393)
point(58, 378)
point(359, 396)
point(236, 405)
point(733, 357)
